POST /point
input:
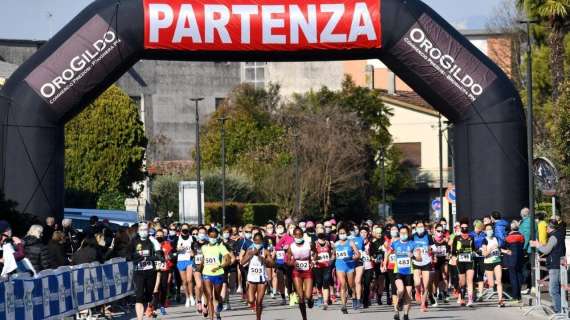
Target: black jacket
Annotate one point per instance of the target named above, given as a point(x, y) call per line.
point(87, 254)
point(37, 253)
point(57, 253)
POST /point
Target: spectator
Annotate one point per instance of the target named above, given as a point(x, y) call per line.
point(542, 226)
point(13, 244)
point(94, 226)
point(49, 228)
point(120, 246)
point(554, 249)
point(56, 247)
point(501, 227)
point(514, 260)
point(88, 252)
point(71, 236)
point(524, 228)
point(36, 251)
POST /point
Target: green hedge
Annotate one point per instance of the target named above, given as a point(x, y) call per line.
point(234, 212)
point(260, 213)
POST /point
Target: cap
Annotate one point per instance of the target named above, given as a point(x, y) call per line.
point(310, 224)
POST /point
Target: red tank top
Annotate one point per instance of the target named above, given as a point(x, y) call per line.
point(323, 255)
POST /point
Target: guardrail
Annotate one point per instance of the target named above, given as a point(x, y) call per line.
point(54, 294)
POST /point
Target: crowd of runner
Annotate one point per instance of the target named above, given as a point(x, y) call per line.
point(317, 264)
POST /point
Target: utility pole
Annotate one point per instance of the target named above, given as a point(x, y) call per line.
point(297, 174)
point(223, 120)
point(198, 178)
point(382, 153)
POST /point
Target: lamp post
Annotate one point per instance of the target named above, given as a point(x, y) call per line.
point(440, 138)
point(382, 155)
point(530, 138)
point(297, 174)
point(223, 133)
point(198, 178)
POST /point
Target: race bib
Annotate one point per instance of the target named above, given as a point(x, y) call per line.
point(324, 257)
point(211, 261)
point(302, 265)
point(341, 255)
point(441, 251)
point(464, 257)
point(392, 258)
point(160, 265)
point(256, 271)
point(183, 256)
point(280, 255)
point(198, 259)
point(364, 256)
point(495, 253)
point(404, 263)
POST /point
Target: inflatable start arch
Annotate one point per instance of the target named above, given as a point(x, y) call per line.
point(110, 36)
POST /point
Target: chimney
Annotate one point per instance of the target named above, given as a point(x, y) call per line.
point(391, 83)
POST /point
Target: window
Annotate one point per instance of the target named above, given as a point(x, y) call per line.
point(254, 73)
point(219, 102)
point(411, 153)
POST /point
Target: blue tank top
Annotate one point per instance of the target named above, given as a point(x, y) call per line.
point(343, 251)
point(403, 250)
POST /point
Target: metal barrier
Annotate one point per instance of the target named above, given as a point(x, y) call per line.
point(563, 290)
point(54, 294)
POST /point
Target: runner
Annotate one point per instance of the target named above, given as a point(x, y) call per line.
point(322, 271)
point(368, 265)
point(403, 249)
point(346, 255)
point(269, 242)
point(300, 257)
point(479, 275)
point(163, 269)
point(285, 283)
point(258, 259)
point(216, 258)
point(185, 263)
point(423, 267)
point(200, 241)
point(377, 254)
point(231, 270)
point(441, 251)
point(493, 267)
point(462, 249)
point(359, 268)
point(243, 245)
point(389, 263)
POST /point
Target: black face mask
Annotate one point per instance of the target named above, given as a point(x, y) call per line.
point(464, 230)
point(321, 236)
point(185, 232)
point(160, 239)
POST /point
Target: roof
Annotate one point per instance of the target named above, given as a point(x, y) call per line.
point(409, 100)
point(6, 70)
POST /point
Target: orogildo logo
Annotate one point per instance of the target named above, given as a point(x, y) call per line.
point(79, 65)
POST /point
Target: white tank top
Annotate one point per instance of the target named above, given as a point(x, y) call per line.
point(184, 248)
point(256, 270)
point(302, 256)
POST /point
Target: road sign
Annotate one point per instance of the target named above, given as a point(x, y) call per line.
point(450, 195)
point(436, 205)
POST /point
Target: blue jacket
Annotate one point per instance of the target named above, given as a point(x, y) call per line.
point(501, 228)
point(478, 239)
point(524, 229)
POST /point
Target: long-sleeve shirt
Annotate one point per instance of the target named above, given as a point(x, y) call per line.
point(546, 249)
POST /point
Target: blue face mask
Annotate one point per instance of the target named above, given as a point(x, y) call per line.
point(202, 237)
point(404, 237)
point(258, 246)
point(213, 240)
point(299, 240)
point(489, 233)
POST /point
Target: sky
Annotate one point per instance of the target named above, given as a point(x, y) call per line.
point(39, 19)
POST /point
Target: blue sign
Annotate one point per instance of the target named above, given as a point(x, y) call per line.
point(436, 205)
point(450, 195)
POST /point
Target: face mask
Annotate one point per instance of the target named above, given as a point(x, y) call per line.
point(280, 231)
point(328, 229)
point(185, 231)
point(299, 241)
point(489, 233)
point(464, 230)
point(394, 234)
point(420, 230)
point(258, 246)
point(202, 237)
point(321, 236)
point(248, 235)
point(404, 237)
point(172, 232)
point(342, 236)
point(213, 240)
point(353, 233)
point(143, 234)
point(170, 214)
point(226, 235)
point(159, 239)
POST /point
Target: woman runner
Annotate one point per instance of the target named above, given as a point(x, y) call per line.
point(185, 263)
point(258, 260)
point(346, 255)
point(216, 258)
point(493, 267)
point(403, 249)
point(301, 255)
point(322, 270)
point(202, 240)
point(462, 249)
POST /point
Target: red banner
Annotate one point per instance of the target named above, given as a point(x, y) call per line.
point(271, 25)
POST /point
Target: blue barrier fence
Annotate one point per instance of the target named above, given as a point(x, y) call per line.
point(53, 294)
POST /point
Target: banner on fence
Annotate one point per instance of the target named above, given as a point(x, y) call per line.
point(54, 294)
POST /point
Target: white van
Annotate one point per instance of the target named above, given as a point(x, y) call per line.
point(80, 217)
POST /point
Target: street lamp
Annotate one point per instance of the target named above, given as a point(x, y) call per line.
point(297, 174)
point(382, 155)
point(223, 133)
point(198, 178)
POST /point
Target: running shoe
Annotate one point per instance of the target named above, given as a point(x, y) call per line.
point(163, 311)
point(379, 300)
point(218, 316)
point(344, 310)
point(199, 307)
point(239, 290)
point(192, 301)
point(396, 316)
point(423, 307)
point(501, 304)
point(187, 304)
point(272, 295)
point(319, 302)
point(406, 317)
point(310, 303)
point(435, 304)
point(324, 306)
point(283, 301)
point(469, 303)
point(227, 307)
point(354, 304)
point(219, 307)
